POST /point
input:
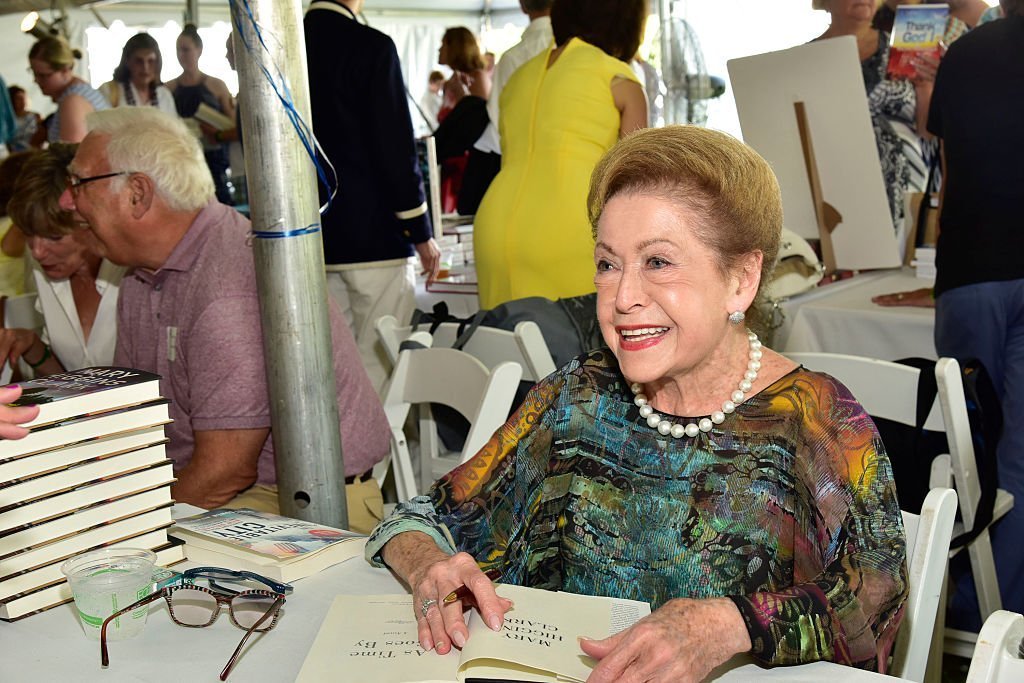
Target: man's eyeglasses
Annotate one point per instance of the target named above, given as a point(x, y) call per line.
point(75, 183)
point(198, 606)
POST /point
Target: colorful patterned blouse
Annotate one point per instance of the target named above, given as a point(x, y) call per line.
point(788, 508)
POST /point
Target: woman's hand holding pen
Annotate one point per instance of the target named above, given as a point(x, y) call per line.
point(433, 575)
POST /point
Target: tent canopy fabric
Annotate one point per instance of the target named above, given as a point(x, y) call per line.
point(474, 6)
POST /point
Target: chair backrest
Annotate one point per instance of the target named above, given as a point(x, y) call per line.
point(885, 389)
point(928, 536)
point(997, 654)
point(490, 345)
point(958, 434)
point(455, 379)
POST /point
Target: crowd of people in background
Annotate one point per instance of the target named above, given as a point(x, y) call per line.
point(532, 146)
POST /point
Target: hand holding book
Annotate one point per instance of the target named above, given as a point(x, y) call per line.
point(12, 416)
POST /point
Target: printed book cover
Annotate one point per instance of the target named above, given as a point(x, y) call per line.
point(88, 390)
point(279, 547)
point(917, 30)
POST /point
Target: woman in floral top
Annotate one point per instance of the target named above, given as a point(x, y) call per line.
point(765, 523)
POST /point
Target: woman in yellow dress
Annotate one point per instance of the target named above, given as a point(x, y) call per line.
point(560, 112)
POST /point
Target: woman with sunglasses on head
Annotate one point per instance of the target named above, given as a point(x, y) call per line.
point(77, 287)
point(137, 78)
point(51, 61)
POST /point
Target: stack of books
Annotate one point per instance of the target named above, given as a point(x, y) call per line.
point(91, 473)
point(924, 263)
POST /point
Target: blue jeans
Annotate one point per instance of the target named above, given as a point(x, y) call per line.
point(986, 321)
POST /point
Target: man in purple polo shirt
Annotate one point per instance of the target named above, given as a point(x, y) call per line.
point(190, 312)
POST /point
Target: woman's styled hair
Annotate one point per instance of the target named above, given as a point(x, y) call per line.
point(1012, 7)
point(726, 185)
point(159, 145)
point(463, 49)
point(192, 33)
point(615, 26)
point(55, 52)
point(140, 41)
point(35, 206)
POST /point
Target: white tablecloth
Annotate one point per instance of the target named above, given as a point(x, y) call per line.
point(840, 318)
point(51, 646)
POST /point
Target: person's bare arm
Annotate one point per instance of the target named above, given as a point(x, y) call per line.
point(73, 111)
point(631, 103)
point(220, 89)
point(26, 345)
point(223, 465)
point(925, 69)
point(13, 244)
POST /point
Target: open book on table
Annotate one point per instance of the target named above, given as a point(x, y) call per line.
point(374, 638)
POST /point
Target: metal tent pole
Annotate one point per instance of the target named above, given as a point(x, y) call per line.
point(672, 72)
point(289, 263)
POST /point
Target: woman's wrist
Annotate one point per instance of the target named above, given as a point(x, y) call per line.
point(36, 351)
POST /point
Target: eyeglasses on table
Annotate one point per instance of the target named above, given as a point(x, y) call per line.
point(194, 606)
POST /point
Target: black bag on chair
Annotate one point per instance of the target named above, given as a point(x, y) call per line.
point(918, 447)
point(569, 327)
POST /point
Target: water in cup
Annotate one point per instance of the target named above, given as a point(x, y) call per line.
point(107, 580)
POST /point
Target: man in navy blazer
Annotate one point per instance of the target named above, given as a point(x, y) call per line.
point(379, 216)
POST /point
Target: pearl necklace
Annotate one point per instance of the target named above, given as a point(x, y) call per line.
point(665, 427)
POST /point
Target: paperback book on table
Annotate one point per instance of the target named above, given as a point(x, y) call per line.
point(374, 638)
point(917, 30)
point(278, 547)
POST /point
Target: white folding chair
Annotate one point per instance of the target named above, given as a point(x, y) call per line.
point(999, 655)
point(490, 345)
point(928, 536)
point(959, 468)
point(455, 379)
point(886, 389)
point(889, 390)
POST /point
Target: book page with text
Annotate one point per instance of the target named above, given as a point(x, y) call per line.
point(538, 641)
point(373, 638)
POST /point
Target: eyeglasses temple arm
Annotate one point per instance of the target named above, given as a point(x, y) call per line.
point(104, 659)
point(234, 655)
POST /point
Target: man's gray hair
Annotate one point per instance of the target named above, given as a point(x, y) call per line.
point(535, 5)
point(147, 140)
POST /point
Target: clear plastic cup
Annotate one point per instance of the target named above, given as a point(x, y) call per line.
point(107, 580)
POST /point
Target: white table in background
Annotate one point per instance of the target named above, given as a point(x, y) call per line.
point(51, 646)
point(840, 318)
point(463, 300)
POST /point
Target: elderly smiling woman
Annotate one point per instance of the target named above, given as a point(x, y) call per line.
point(747, 499)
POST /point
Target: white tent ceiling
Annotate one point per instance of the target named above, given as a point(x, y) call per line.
point(419, 6)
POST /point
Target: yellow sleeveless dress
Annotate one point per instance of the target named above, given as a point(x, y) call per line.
point(531, 236)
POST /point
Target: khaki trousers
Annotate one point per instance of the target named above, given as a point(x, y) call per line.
point(365, 503)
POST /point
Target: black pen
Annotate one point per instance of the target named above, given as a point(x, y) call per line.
point(463, 592)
